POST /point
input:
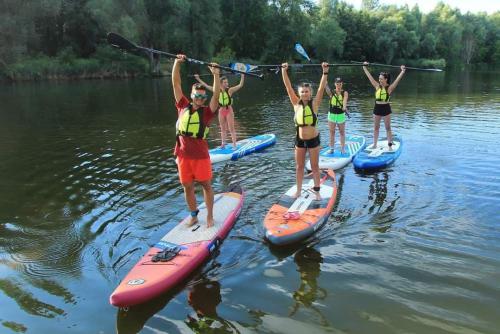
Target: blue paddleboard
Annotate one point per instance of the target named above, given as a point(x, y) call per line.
point(380, 157)
point(243, 147)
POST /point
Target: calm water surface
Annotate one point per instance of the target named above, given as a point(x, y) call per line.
point(88, 183)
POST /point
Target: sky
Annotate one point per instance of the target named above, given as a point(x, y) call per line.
point(489, 6)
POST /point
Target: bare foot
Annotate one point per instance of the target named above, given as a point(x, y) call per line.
point(222, 145)
point(210, 222)
point(297, 194)
point(192, 221)
point(342, 151)
point(234, 146)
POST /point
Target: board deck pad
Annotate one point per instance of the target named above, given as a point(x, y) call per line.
point(184, 234)
point(382, 147)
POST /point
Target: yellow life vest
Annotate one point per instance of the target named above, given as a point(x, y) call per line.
point(190, 123)
point(382, 94)
point(337, 101)
point(304, 115)
point(225, 99)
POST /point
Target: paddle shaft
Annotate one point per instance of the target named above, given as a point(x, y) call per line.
point(396, 66)
point(124, 44)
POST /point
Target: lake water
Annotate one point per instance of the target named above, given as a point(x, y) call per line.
point(88, 182)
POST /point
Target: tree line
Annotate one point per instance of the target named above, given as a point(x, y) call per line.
point(68, 37)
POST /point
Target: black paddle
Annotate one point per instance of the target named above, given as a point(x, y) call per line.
point(358, 63)
point(122, 43)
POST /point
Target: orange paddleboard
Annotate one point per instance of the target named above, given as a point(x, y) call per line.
point(294, 219)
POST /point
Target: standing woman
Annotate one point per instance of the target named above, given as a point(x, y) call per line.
point(383, 91)
point(306, 119)
point(336, 114)
point(226, 113)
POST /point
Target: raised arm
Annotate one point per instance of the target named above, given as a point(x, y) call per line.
point(214, 101)
point(176, 77)
point(321, 88)
point(369, 75)
point(328, 91)
point(207, 86)
point(398, 79)
point(288, 85)
point(344, 103)
point(236, 88)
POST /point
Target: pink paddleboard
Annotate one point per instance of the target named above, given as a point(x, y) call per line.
point(190, 246)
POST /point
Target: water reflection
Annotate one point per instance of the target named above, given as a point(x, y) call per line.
point(308, 294)
point(381, 209)
point(204, 297)
point(131, 320)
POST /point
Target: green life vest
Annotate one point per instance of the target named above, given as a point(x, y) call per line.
point(382, 94)
point(304, 115)
point(190, 123)
point(224, 99)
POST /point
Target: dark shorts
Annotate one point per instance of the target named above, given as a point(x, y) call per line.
point(382, 109)
point(309, 143)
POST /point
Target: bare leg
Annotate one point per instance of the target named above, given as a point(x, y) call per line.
point(208, 195)
point(223, 128)
point(190, 200)
point(387, 123)
point(314, 156)
point(342, 137)
point(331, 127)
point(376, 127)
point(230, 123)
point(300, 161)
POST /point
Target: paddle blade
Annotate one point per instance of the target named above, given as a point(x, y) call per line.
point(242, 67)
point(121, 42)
point(301, 50)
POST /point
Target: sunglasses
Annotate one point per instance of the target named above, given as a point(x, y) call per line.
point(305, 84)
point(199, 96)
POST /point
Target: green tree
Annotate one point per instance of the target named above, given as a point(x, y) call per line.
point(245, 27)
point(473, 37)
point(327, 36)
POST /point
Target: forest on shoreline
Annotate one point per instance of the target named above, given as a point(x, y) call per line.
point(56, 39)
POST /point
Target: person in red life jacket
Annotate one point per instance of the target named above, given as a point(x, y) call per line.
point(191, 149)
point(382, 109)
point(306, 120)
point(226, 113)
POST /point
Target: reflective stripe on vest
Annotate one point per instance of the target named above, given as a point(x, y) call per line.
point(190, 123)
point(224, 99)
point(382, 95)
point(304, 115)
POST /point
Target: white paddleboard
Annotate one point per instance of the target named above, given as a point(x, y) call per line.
point(337, 160)
point(243, 147)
